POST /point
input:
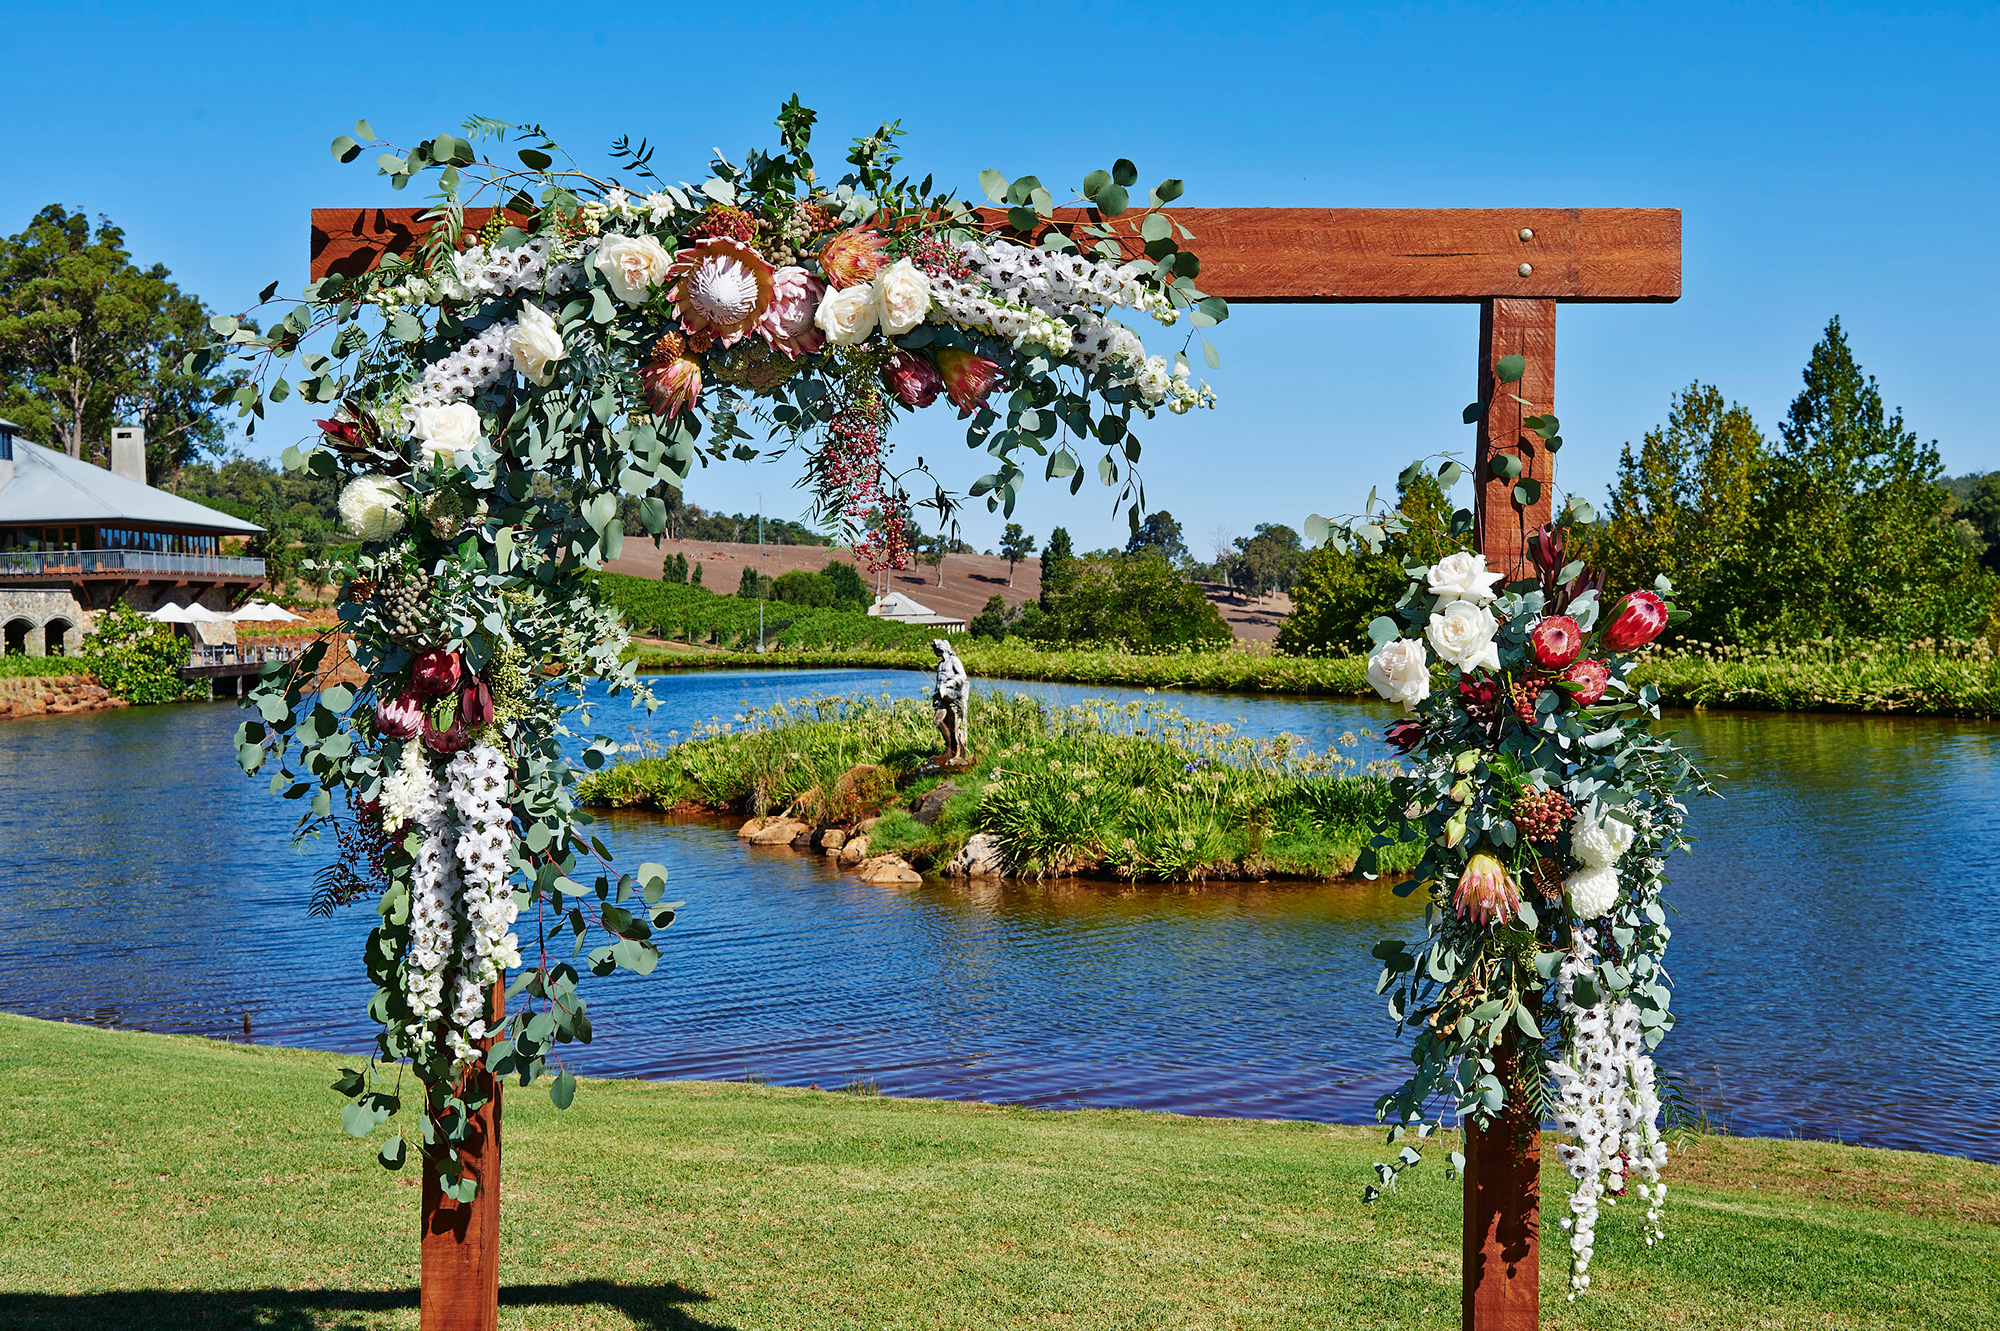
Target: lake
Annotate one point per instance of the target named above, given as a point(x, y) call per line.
point(1834, 959)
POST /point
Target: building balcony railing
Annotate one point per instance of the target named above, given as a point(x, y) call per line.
point(134, 563)
point(226, 654)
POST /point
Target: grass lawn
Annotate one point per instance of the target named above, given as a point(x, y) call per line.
point(165, 1182)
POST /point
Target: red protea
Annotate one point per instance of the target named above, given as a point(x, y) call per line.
point(671, 385)
point(475, 704)
point(436, 674)
point(1405, 735)
point(967, 378)
point(913, 379)
point(1636, 621)
point(400, 717)
point(852, 257)
point(1556, 641)
point(1591, 679)
point(726, 222)
point(1479, 697)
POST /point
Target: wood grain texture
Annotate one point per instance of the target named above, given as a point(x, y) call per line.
point(1324, 256)
point(1525, 328)
point(459, 1282)
point(1501, 1287)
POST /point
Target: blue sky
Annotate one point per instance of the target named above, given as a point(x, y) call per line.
point(1829, 161)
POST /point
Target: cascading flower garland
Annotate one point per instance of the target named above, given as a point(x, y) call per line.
point(1546, 808)
point(507, 395)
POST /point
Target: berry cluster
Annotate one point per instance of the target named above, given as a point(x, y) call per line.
point(722, 221)
point(939, 258)
point(1541, 815)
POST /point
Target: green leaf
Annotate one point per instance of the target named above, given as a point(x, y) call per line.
point(1504, 465)
point(345, 148)
point(1094, 182)
point(358, 1119)
point(351, 1083)
point(1124, 172)
point(1528, 491)
point(1154, 226)
point(1167, 191)
point(1107, 470)
point(405, 327)
point(535, 159)
point(994, 184)
point(337, 698)
point(1509, 369)
point(1112, 200)
point(1382, 629)
point(563, 1089)
point(393, 1153)
point(1317, 529)
point(1473, 412)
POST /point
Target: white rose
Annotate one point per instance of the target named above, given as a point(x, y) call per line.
point(1462, 633)
point(633, 266)
point(847, 315)
point(371, 507)
point(447, 431)
point(1462, 577)
point(1401, 672)
point(535, 345)
point(902, 296)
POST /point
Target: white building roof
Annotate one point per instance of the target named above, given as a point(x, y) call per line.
point(50, 486)
point(903, 610)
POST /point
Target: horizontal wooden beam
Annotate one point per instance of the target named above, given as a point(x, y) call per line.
point(1312, 256)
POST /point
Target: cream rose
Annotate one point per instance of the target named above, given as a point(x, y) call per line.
point(633, 266)
point(1400, 672)
point(847, 316)
point(372, 507)
point(1462, 633)
point(447, 431)
point(903, 297)
point(535, 344)
point(1462, 577)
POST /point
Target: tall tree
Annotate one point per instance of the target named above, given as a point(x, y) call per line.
point(1337, 592)
point(1160, 533)
point(89, 339)
point(1269, 558)
point(1015, 546)
point(1058, 568)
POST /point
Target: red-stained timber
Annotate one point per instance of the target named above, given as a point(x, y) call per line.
point(1501, 1282)
point(1524, 328)
point(459, 1287)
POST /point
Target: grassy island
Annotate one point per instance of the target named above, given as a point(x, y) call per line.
point(177, 1183)
point(1126, 790)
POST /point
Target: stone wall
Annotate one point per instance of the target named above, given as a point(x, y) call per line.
point(28, 615)
point(53, 696)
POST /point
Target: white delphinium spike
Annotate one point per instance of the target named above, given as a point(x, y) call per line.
point(478, 782)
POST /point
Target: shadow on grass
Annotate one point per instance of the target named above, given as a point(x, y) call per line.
point(650, 1307)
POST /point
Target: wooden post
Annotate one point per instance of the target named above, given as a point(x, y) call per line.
point(459, 1287)
point(1525, 328)
point(1502, 1262)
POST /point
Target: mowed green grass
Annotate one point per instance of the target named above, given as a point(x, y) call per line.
point(166, 1182)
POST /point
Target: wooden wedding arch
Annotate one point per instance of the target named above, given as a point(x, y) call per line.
point(1516, 265)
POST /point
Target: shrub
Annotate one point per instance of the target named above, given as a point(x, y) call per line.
point(1139, 602)
point(137, 659)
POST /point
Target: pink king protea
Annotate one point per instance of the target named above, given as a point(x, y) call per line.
point(852, 257)
point(720, 287)
point(967, 378)
point(1486, 893)
point(1638, 620)
point(436, 674)
point(1556, 641)
point(913, 379)
point(672, 385)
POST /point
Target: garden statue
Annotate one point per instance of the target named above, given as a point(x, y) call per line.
point(952, 700)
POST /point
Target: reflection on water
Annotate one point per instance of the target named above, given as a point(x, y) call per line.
point(1837, 944)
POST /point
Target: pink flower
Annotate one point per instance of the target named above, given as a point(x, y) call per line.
point(436, 674)
point(1486, 893)
point(967, 378)
point(1590, 678)
point(720, 287)
point(671, 385)
point(452, 739)
point(852, 257)
point(400, 717)
point(1557, 641)
point(1405, 735)
point(913, 379)
point(787, 322)
point(1638, 620)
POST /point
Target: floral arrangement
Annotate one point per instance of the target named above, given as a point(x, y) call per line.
point(500, 400)
point(1546, 808)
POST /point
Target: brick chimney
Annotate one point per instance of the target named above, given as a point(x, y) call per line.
point(128, 452)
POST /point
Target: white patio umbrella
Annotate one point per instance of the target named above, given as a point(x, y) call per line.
point(201, 614)
point(262, 610)
point(170, 614)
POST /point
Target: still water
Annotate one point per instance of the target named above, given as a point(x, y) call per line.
point(1835, 959)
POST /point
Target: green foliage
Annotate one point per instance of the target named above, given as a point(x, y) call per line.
point(991, 621)
point(695, 615)
point(244, 487)
point(1058, 568)
point(88, 339)
point(849, 591)
point(19, 665)
point(1267, 560)
point(801, 588)
point(1336, 591)
point(1015, 546)
point(751, 586)
point(1159, 534)
point(1138, 602)
point(137, 659)
point(1842, 528)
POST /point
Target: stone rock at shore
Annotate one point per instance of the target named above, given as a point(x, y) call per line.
point(780, 832)
point(832, 840)
point(981, 857)
point(854, 851)
point(889, 869)
point(927, 807)
point(865, 825)
point(751, 828)
point(54, 695)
